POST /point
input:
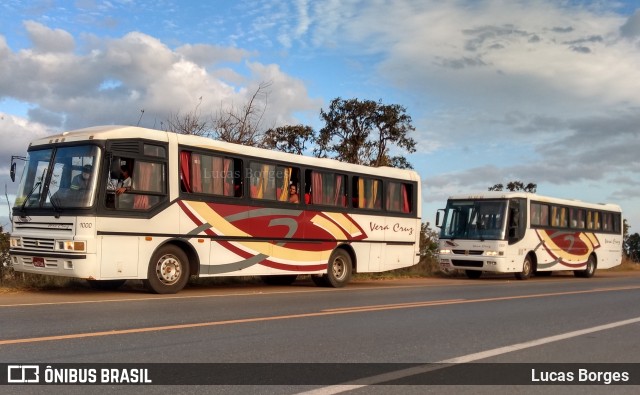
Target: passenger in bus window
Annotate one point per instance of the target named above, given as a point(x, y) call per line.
point(81, 181)
point(124, 200)
point(293, 194)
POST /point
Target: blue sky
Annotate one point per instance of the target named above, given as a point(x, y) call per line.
point(499, 90)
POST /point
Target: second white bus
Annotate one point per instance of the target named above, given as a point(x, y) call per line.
point(527, 234)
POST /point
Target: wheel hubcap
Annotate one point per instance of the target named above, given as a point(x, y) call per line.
point(169, 269)
point(338, 268)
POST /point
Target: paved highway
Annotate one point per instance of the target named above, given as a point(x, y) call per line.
point(400, 324)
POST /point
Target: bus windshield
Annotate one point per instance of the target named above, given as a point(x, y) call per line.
point(474, 220)
point(57, 178)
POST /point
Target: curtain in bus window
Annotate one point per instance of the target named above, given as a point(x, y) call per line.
point(337, 199)
point(196, 173)
point(185, 160)
point(391, 201)
point(283, 194)
point(316, 188)
point(581, 223)
point(142, 181)
point(228, 177)
point(596, 220)
point(374, 202)
point(397, 199)
point(254, 181)
point(361, 198)
point(262, 185)
point(406, 207)
point(606, 222)
point(216, 176)
point(544, 215)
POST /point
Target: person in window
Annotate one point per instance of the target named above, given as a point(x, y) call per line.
point(81, 181)
point(293, 194)
point(125, 200)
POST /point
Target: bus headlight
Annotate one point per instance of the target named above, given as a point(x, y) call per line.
point(493, 253)
point(15, 242)
point(444, 252)
point(71, 245)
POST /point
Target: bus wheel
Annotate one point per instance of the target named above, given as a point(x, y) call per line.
point(106, 285)
point(339, 269)
point(527, 269)
point(286, 279)
point(168, 270)
point(589, 271)
point(473, 274)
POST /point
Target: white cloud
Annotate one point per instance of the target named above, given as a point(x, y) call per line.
point(48, 40)
point(119, 77)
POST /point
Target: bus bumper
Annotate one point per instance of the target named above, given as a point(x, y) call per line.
point(79, 265)
point(482, 263)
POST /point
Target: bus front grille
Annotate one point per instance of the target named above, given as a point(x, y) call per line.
point(38, 243)
point(459, 262)
point(467, 252)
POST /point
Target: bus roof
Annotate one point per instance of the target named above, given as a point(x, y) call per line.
point(108, 132)
point(534, 197)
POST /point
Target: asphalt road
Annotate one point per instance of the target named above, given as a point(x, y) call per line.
point(394, 325)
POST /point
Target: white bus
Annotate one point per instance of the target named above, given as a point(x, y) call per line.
point(525, 234)
point(194, 206)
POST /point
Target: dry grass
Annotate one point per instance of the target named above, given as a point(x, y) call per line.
point(627, 265)
point(427, 267)
point(13, 282)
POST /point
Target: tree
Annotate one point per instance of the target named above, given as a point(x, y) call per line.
point(428, 241)
point(632, 247)
point(515, 186)
point(6, 270)
point(292, 139)
point(190, 123)
point(234, 125)
point(625, 229)
point(363, 132)
point(242, 125)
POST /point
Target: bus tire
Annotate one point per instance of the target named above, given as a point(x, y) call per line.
point(168, 270)
point(285, 279)
point(339, 269)
point(527, 269)
point(106, 285)
point(589, 271)
point(473, 274)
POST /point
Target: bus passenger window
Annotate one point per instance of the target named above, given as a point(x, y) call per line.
point(397, 197)
point(325, 188)
point(367, 193)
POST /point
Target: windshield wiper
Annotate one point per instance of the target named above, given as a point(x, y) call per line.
point(56, 208)
point(26, 199)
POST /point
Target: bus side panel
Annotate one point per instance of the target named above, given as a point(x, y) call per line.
point(569, 250)
point(118, 254)
point(402, 231)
